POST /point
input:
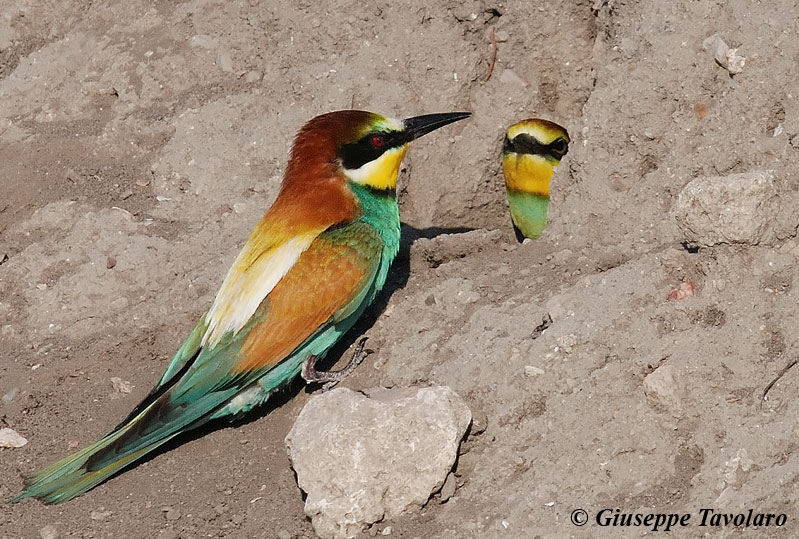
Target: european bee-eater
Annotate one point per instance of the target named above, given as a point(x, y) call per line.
point(312, 265)
point(531, 152)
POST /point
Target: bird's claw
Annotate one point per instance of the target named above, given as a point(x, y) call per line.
point(329, 385)
point(331, 378)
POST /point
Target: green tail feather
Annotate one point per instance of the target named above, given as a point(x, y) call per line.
point(71, 477)
point(155, 425)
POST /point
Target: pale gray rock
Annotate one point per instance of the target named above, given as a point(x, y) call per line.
point(225, 61)
point(661, 386)
point(448, 490)
point(10, 395)
point(253, 76)
point(100, 515)
point(726, 57)
point(362, 459)
point(11, 439)
point(739, 208)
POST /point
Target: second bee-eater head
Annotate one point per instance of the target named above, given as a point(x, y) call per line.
point(363, 147)
point(531, 152)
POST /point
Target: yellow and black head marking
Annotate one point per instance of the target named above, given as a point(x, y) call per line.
point(374, 147)
point(531, 152)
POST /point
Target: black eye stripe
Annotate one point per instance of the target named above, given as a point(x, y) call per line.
point(357, 154)
point(525, 143)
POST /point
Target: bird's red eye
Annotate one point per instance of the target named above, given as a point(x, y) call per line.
point(378, 141)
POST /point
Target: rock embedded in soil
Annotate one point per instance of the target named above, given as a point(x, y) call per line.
point(726, 57)
point(121, 386)
point(11, 439)
point(171, 513)
point(739, 208)
point(10, 395)
point(362, 459)
point(448, 490)
point(662, 387)
point(100, 515)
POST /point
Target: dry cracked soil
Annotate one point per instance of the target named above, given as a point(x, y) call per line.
point(141, 141)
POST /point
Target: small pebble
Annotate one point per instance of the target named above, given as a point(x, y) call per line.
point(48, 532)
point(120, 385)
point(501, 36)
point(663, 386)
point(10, 395)
point(387, 530)
point(111, 262)
point(11, 438)
point(283, 534)
point(685, 290)
point(253, 76)
point(126, 194)
point(479, 424)
point(171, 513)
point(531, 371)
point(100, 515)
point(225, 62)
point(726, 57)
point(448, 489)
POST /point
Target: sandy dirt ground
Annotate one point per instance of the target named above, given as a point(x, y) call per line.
point(140, 142)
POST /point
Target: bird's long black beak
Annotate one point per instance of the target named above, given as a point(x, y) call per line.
point(421, 125)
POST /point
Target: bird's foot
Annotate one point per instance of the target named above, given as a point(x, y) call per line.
point(331, 378)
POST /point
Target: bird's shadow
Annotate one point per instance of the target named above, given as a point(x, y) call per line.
point(397, 279)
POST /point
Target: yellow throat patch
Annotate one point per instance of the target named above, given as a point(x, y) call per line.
point(382, 172)
point(528, 173)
